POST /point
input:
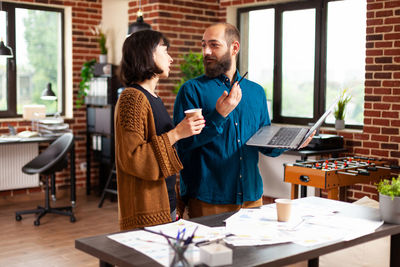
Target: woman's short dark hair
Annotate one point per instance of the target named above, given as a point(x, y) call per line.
point(137, 63)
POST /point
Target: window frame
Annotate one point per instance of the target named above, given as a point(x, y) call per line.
point(319, 63)
point(11, 75)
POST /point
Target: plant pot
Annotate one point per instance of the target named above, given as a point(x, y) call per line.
point(103, 58)
point(339, 124)
point(389, 209)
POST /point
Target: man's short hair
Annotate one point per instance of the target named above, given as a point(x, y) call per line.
point(137, 63)
point(231, 32)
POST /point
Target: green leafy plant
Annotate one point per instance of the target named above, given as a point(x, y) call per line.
point(390, 188)
point(84, 85)
point(340, 109)
point(102, 38)
point(191, 67)
point(102, 42)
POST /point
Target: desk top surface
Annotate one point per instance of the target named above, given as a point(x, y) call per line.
point(36, 139)
point(271, 255)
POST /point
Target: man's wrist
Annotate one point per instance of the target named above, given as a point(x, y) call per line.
point(221, 113)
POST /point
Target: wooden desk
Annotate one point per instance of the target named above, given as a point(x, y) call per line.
point(111, 253)
point(49, 139)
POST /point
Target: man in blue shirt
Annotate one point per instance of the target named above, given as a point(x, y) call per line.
point(220, 172)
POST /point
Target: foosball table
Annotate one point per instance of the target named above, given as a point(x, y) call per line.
point(332, 174)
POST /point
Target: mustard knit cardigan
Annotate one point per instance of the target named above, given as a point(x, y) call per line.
point(143, 161)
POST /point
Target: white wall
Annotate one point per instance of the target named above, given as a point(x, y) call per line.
point(272, 173)
point(115, 21)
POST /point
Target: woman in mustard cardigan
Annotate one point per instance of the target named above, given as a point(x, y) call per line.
point(146, 159)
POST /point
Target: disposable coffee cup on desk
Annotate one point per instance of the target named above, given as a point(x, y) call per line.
point(283, 209)
point(192, 112)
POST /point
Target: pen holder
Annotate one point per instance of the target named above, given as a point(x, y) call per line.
point(180, 254)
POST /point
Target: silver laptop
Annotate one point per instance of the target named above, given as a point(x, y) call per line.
point(286, 137)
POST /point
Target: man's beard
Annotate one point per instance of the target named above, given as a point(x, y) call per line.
point(217, 67)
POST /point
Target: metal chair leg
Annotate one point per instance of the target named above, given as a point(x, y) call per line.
point(106, 189)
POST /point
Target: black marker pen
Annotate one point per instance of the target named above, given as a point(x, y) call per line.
point(242, 77)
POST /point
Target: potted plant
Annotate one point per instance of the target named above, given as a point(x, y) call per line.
point(191, 67)
point(340, 110)
point(389, 200)
point(102, 40)
point(84, 86)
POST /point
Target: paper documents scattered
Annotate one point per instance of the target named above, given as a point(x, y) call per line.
point(203, 233)
point(156, 246)
point(308, 226)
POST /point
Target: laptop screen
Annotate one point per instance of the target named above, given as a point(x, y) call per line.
point(320, 121)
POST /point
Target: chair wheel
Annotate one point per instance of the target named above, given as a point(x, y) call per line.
point(18, 217)
point(36, 223)
point(72, 219)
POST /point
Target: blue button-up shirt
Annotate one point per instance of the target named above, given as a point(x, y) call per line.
point(218, 167)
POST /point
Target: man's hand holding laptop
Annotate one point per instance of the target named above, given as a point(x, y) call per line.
point(308, 140)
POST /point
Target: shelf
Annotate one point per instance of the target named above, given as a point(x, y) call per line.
point(100, 105)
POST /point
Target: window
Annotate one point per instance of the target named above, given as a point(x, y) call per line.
point(35, 33)
point(304, 54)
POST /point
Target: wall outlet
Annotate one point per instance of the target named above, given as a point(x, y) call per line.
point(82, 166)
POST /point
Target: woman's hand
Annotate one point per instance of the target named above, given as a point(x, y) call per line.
point(187, 127)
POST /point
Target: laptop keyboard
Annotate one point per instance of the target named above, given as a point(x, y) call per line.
point(284, 136)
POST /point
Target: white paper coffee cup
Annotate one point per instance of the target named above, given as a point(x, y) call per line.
point(193, 112)
point(283, 209)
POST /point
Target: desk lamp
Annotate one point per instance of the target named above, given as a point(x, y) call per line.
point(5, 51)
point(48, 94)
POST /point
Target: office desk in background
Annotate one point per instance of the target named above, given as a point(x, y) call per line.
point(14, 143)
point(110, 252)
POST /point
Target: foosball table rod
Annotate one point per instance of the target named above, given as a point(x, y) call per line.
point(348, 173)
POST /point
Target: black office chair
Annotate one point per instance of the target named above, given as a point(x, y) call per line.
point(51, 160)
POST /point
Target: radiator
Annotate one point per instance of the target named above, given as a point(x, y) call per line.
point(12, 158)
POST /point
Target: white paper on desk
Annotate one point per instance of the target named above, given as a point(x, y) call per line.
point(308, 226)
point(350, 227)
point(152, 245)
point(311, 235)
point(322, 229)
point(203, 233)
point(301, 209)
point(253, 227)
point(156, 246)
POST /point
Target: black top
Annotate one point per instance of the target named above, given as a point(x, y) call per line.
point(163, 124)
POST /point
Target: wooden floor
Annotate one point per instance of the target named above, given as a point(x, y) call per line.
point(53, 242)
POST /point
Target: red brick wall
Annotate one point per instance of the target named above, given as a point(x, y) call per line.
point(85, 14)
point(380, 136)
point(183, 22)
